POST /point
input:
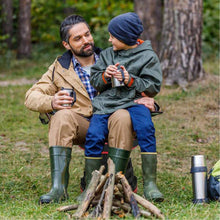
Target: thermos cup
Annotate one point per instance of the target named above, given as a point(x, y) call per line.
point(117, 83)
point(71, 93)
point(199, 179)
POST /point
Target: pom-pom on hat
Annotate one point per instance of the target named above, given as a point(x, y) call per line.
point(126, 28)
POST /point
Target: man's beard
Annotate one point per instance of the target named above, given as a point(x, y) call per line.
point(82, 52)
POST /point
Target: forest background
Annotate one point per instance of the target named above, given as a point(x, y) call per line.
point(188, 126)
point(46, 17)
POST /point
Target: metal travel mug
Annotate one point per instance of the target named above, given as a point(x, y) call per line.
point(199, 179)
point(71, 93)
point(117, 83)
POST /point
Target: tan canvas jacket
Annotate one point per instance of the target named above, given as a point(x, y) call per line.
point(60, 74)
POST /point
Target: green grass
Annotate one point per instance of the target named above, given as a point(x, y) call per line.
point(188, 126)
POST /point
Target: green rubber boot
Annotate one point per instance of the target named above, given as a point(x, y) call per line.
point(120, 158)
point(149, 167)
point(91, 164)
point(59, 162)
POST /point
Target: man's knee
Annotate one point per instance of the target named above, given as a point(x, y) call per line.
point(61, 116)
point(66, 128)
point(120, 130)
point(120, 118)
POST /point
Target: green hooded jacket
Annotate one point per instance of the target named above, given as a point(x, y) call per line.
point(145, 73)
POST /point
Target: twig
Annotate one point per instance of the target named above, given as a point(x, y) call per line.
point(148, 205)
point(67, 208)
point(128, 192)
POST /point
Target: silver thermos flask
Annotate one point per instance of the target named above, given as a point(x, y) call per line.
point(199, 179)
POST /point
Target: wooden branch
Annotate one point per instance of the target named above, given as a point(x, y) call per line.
point(125, 206)
point(101, 184)
point(129, 194)
point(96, 198)
point(90, 192)
point(145, 213)
point(67, 208)
point(118, 194)
point(109, 191)
point(101, 170)
point(118, 211)
point(98, 210)
point(148, 205)
point(119, 186)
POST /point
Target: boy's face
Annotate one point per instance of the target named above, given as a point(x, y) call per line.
point(117, 44)
point(81, 41)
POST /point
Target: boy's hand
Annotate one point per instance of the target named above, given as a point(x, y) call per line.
point(119, 77)
point(111, 70)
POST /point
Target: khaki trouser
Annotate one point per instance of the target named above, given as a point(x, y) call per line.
point(68, 128)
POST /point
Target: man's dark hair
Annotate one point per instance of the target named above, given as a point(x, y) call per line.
point(67, 24)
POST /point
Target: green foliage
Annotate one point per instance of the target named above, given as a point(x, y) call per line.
point(47, 16)
point(210, 35)
point(45, 26)
point(45, 21)
point(100, 13)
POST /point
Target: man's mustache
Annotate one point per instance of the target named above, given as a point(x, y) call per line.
point(84, 46)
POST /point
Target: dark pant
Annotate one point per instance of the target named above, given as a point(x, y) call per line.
point(142, 125)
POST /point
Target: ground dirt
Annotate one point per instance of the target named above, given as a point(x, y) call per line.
point(22, 81)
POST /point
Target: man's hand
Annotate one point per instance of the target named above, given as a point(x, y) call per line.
point(147, 101)
point(61, 98)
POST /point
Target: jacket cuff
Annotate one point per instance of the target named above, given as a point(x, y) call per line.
point(130, 81)
point(47, 106)
point(105, 80)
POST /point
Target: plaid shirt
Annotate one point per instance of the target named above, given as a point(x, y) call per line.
point(85, 77)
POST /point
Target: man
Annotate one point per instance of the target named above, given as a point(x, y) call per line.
point(68, 124)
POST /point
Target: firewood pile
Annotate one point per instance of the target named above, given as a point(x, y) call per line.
point(110, 194)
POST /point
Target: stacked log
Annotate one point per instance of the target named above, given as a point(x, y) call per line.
point(111, 194)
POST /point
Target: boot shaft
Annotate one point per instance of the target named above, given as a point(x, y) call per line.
point(149, 166)
point(120, 158)
point(91, 164)
point(59, 163)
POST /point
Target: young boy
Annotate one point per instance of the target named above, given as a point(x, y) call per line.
point(141, 74)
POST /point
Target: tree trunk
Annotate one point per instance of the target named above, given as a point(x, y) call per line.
point(24, 29)
point(181, 45)
point(7, 21)
point(150, 12)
